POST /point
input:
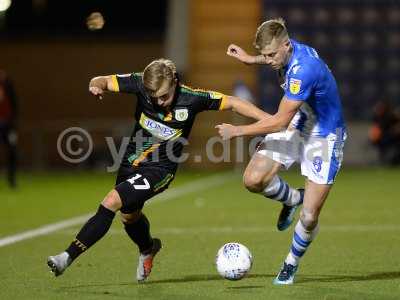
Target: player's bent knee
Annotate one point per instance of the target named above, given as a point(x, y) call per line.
point(112, 201)
point(253, 182)
point(131, 218)
point(309, 218)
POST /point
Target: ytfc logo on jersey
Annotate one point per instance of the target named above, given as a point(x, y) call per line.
point(158, 129)
point(294, 85)
point(181, 114)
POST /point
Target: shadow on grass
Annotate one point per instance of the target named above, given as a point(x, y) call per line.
point(346, 278)
point(245, 287)
point(184, 279)
point(303, 279)
point(203, 277)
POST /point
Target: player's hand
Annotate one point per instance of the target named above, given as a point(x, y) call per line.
point(238, 53)
point(227, 131)
point(95, 91)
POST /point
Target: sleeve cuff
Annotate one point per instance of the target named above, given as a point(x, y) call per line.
point(223, 102)
point(115, 84)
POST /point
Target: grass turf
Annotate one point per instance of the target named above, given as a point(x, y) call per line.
point(355, 255)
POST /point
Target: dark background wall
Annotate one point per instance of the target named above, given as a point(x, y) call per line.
point(359, 40)
point(51, 79)
point(51, 55)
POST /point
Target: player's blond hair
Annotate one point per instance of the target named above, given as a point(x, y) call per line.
point(157, 72)
point(268, 31)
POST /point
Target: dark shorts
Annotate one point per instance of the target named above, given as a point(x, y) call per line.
point(137, 185)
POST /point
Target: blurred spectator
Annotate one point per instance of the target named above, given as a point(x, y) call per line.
point(241, 90)
point(385, 132)
point(8, 118)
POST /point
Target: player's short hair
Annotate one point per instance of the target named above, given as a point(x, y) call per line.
point(268, 31)
point(157, 72)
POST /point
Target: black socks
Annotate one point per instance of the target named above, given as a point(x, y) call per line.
point(98, 225)
point(94, 229)
point(139, 232)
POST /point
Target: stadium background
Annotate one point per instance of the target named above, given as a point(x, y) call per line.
point(49, 53)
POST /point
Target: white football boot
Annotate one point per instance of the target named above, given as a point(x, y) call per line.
point(59, 263)
point(146, 261)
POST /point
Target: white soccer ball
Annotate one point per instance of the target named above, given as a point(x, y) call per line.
point(233, 261)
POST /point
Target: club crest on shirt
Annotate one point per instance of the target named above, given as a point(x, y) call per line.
point(294, 85)
point(181, 114)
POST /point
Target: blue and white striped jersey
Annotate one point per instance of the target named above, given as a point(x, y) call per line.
point(308, 79)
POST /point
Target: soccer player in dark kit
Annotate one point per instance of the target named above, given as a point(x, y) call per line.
point(165, 113)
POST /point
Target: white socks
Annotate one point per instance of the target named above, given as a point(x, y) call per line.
point(301, 240)
point(279, 190)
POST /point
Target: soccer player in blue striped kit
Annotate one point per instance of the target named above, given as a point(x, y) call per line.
point(308, 128)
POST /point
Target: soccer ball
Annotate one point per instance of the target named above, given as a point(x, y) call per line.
point(233, 261)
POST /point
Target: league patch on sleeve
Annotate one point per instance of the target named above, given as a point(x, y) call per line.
point(294, 86)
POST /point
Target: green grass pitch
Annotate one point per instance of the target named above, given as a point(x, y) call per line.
point(355, 256)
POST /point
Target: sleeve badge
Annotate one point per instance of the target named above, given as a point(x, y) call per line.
point(294, 86)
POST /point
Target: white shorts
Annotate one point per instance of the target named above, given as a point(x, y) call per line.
point(320, 158)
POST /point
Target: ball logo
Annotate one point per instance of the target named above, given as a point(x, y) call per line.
point(158, 129)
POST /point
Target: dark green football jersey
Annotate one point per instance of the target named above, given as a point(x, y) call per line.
point(159, 136)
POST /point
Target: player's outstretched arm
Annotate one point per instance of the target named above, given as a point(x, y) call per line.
point(277, 122)
point(238, 53)
point(244, 108)
point(98, 85)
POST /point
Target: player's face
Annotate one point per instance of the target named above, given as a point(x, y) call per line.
point(165, 95)
point(277, 54)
